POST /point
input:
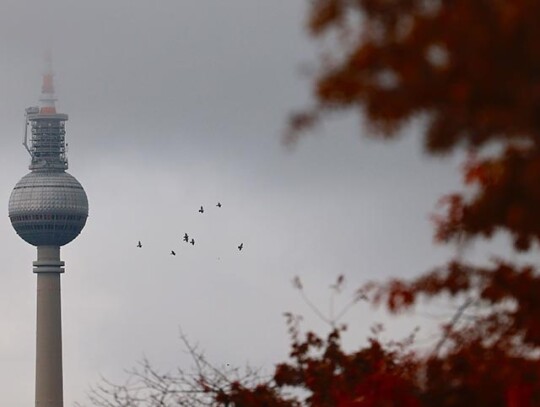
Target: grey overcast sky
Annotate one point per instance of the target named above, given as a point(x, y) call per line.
point(175, 104)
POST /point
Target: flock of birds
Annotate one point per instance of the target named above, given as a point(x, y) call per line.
point(192, 241)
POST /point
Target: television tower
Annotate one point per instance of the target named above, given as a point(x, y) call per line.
point(48, 209)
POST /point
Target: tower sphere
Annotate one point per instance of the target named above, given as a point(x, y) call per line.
point(48, 208)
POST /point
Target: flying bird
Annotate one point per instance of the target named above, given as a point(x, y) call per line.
point(192, 242)
point(241, 246)
point(219, 205)
point(173, 253)
point(186, 237)
point(201, 210)
point(139, 244)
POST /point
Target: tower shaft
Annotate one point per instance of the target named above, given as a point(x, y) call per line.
point(49, 383)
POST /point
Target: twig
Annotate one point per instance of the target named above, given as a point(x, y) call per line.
point(453, 322)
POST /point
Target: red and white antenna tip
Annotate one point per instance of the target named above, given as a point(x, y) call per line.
point(47, 98)
point(48, 83)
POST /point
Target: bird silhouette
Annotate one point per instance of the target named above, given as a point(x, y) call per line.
point(201, 210)
point(219, 205)
point(173, 253)
point(192, 242)
point(139, 244)
point(186, 237)
point(241, 246)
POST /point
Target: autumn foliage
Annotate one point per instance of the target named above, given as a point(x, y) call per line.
point(470, 67)
point(507, 198)
point(373, 376)
point(469, 70)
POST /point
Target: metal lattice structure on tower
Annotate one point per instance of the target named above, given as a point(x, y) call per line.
point(48, 144)
point(48, 208)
